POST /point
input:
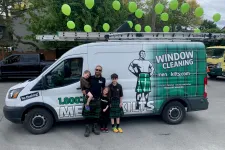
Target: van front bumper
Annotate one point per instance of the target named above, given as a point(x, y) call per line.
point(197, 104)
point(13, 114)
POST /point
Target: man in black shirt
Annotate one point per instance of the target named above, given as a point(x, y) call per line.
point(97, 84)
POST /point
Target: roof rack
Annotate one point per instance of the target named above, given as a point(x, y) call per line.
point(111, 36)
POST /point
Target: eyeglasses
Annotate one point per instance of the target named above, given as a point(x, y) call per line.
point(98, 70)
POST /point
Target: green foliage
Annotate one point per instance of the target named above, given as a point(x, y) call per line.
point(48, 18)
point(207, 24)
point(176, 18)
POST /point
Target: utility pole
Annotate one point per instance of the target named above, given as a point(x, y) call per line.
point(153, 15)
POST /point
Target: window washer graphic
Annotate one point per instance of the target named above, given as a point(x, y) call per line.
point(143, 70)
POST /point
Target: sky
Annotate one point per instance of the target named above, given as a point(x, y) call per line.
point(211, 7)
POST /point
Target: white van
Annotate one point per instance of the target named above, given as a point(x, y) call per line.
point(158, 78)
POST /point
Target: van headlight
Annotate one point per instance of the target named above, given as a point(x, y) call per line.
point(218, 65)
point(14, 93)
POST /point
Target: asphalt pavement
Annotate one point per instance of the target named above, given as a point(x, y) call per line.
point(203, 130)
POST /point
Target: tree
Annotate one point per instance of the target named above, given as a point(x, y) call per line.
point(10, 10)
point(176, 18)
point(207, 24)
point(47, 18)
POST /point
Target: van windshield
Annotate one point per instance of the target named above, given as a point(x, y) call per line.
point(215, 52)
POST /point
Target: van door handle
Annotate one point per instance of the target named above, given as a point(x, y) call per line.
point(78, 88)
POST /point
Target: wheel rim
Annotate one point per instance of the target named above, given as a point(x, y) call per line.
point(38, 121)
point(175, 113)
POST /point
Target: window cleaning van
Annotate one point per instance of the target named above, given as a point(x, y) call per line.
point(158, 78)
point(216, 61)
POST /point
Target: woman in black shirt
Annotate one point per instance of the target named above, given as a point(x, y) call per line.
point(105, 110)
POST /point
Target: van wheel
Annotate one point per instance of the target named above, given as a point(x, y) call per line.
point(174, 113)
point(38, 121)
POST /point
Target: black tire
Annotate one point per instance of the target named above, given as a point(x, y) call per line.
point(174, 113)
point(38, 121)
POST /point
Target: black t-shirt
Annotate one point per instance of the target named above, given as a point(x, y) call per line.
point(97, 84)
point(116, 91)
point(104, 102)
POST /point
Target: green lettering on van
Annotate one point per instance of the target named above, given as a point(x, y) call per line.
point(77, 100)
point(70, 100)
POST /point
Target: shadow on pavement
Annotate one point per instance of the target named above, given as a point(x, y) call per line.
point(126, 121)
point(78, 126)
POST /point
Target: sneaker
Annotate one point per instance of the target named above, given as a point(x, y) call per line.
point(106, 130)
point(120, 130)
point(115, 129)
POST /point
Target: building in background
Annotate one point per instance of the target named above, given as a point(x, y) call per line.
point(223, 29)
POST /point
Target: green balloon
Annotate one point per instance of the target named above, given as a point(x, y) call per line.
point(185, 8)
point(132, 7)
point(164, 17)
point(166, 29)
point(138, 13)
point(89, 3)
point(71, 25)
point(148, 29)
point(173, 4)
point(199, 12)
point(106, 27)
point(87, 28)
point(197, 31)
point(130, 24)
point(159, 8)
point(216, 17)
point(138, 27)
point(66, 9)
point(116, 5)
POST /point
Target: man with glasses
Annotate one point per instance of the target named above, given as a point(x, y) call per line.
point(97, 84)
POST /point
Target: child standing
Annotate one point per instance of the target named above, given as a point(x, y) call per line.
point(104, 110)
point(85, 87)
point(116, 92)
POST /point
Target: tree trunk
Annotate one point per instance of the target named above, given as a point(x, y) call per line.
point(153, 15)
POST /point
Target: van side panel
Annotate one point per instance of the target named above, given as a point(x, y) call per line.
point(180, 69)
point(153, 73)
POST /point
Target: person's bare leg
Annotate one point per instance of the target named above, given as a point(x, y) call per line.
point(90, 96)
point(117, 121)
point(112, 121)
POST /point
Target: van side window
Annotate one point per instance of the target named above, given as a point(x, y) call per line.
point(67, 72)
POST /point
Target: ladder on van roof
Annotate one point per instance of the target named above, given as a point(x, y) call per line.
point(146, 36)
